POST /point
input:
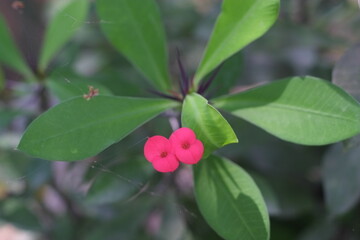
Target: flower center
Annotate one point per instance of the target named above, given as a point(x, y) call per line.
point(185, 145)
point(163, 154)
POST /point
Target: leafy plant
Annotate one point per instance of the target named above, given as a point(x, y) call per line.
point(302, 110)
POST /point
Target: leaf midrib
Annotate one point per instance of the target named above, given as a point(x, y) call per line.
point(141, 38)
point(228, 193)
point(299, 109)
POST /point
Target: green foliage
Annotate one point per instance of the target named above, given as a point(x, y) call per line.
point(66, 90)
point(305, 110)
point(341, 169)
point(134, 28)
point(239, 23)
point(224, 189)
point(89, 126)
point(15, 212)
point(208, 124)
point(115, 194)
point(61, 28)
point(9, 53)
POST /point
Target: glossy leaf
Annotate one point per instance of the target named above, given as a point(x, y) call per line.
point(9, 52)
point(230, 201)
point(341, 178)
point(65, 90)
point(134, 28)
point(208, 124)
point(305, 110)
point(346, 73)
point(61, 28)
point(239, 23)
point(78, 128)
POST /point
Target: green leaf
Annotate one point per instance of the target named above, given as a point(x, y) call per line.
point(230, 201)
point(239, 23)
point(208, 124)
point(341, 169)
point(65, 90)
point(77, 129)
point(304, 110)
point(61, 28)
point(134, 28)
point(9, 53)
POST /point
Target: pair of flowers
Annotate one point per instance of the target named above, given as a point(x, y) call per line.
point(165, 154)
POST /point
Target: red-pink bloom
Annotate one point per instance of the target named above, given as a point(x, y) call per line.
point(159, 151)
point(186, 147)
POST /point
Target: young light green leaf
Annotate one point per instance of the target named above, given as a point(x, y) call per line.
point(134, 28)
point(230, 201)
point(239, 23)
point(341, 169)
point(9, 53)
point(61, 28)
point(208, 124)
point(304, 110)
point(79, 128)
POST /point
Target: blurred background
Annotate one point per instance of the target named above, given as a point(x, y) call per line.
point(312, 193)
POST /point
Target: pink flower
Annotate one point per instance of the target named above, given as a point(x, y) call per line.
point(159, 151)
point(186, 147)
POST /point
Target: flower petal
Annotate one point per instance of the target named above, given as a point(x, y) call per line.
point(166, 164)
point(191, 155)
point(156, 145)
point(183, 135)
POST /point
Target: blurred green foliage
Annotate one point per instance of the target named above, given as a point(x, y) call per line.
point(99, 199)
